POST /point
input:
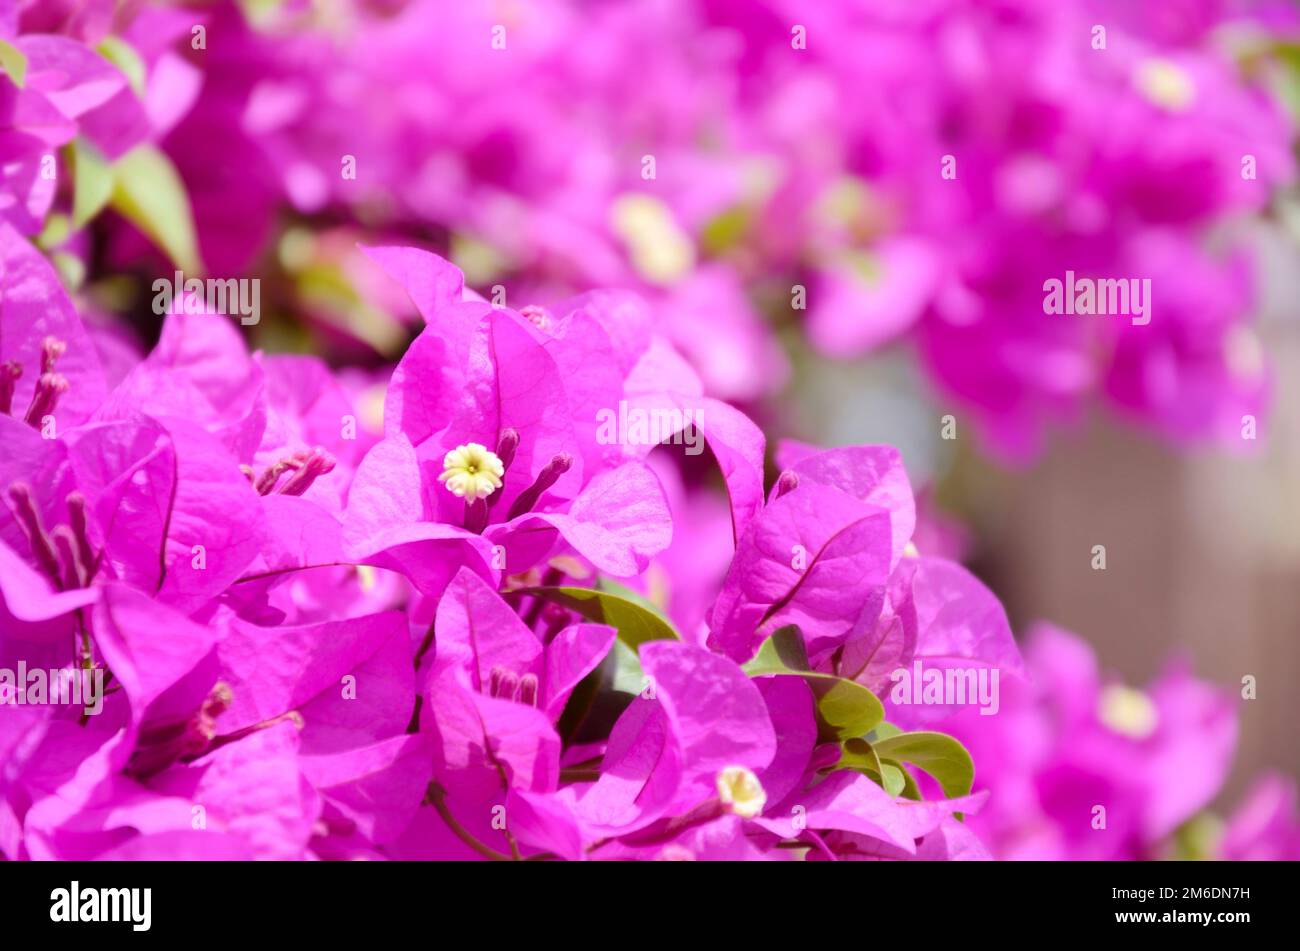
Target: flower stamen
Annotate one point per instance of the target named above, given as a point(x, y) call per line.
point(307, 468)
point(560, 463)
point(160, 746)
point(472, 471)
point(307, 465)
point(28, 518)
point(49, 388)
point(740, 792)
point(10, 372)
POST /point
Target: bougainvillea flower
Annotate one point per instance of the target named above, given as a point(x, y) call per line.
point(848, 801)
point(66, 90)
point(220, 716)
point(91, 783)
point(529, 389)
point(33, 309)
point(685, 577)
point(294, 436)
point(486, 746)
point(830, 554)
point(152, 500)
point(482, 636)
point(86, 94)
point(664, 754)
point(791, 802)
point(491, 695)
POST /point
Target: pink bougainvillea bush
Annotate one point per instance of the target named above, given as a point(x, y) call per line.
point(250, 628)
point(292, 641)
point(316, 545)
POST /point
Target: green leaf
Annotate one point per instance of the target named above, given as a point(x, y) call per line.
point(727, 229)
point(627, 594)
point(860, 755)
point(71, 269)
point(881, 731)
point(13, 62)
point(582, 699)
point(602, 696)
point(1197, 839)
point(92, 182)
point(895, 779)
point(782, 653)
point(846, 708)
point(937, 753)
point(123, 55)
point(636, 624)
point(857, 753)
point(260, 12)
point(149, 192)
point(910, 790)
point(480, 261)
point(331, 294)
point(56, 230)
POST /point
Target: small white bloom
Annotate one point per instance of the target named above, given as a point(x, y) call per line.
point(741, 792)
point(472, 471)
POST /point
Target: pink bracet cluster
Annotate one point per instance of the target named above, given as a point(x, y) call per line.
point(311, 648)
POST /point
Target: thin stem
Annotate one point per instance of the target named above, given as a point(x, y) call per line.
point(424, 646)
point(573, 775)
point(436, 797)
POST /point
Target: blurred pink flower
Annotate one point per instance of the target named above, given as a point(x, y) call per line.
point(1082, 768)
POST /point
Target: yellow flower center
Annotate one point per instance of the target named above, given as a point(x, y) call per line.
point(1166, 85)
point(661, 251)
point(741, 792)
point(472, 471)
point(1128, 712)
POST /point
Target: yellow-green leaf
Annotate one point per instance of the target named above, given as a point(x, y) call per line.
point(54, 231)
point(859, 754)
point(893, 778)
point(938, 754)
point(634, 622)
point(13, 62)
point(71, 269)
point(782, 653)
point(123, 55)
point(910, 790)
point(332, 295)
point(845, 708)
point(149, 192)
point(92, 182)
